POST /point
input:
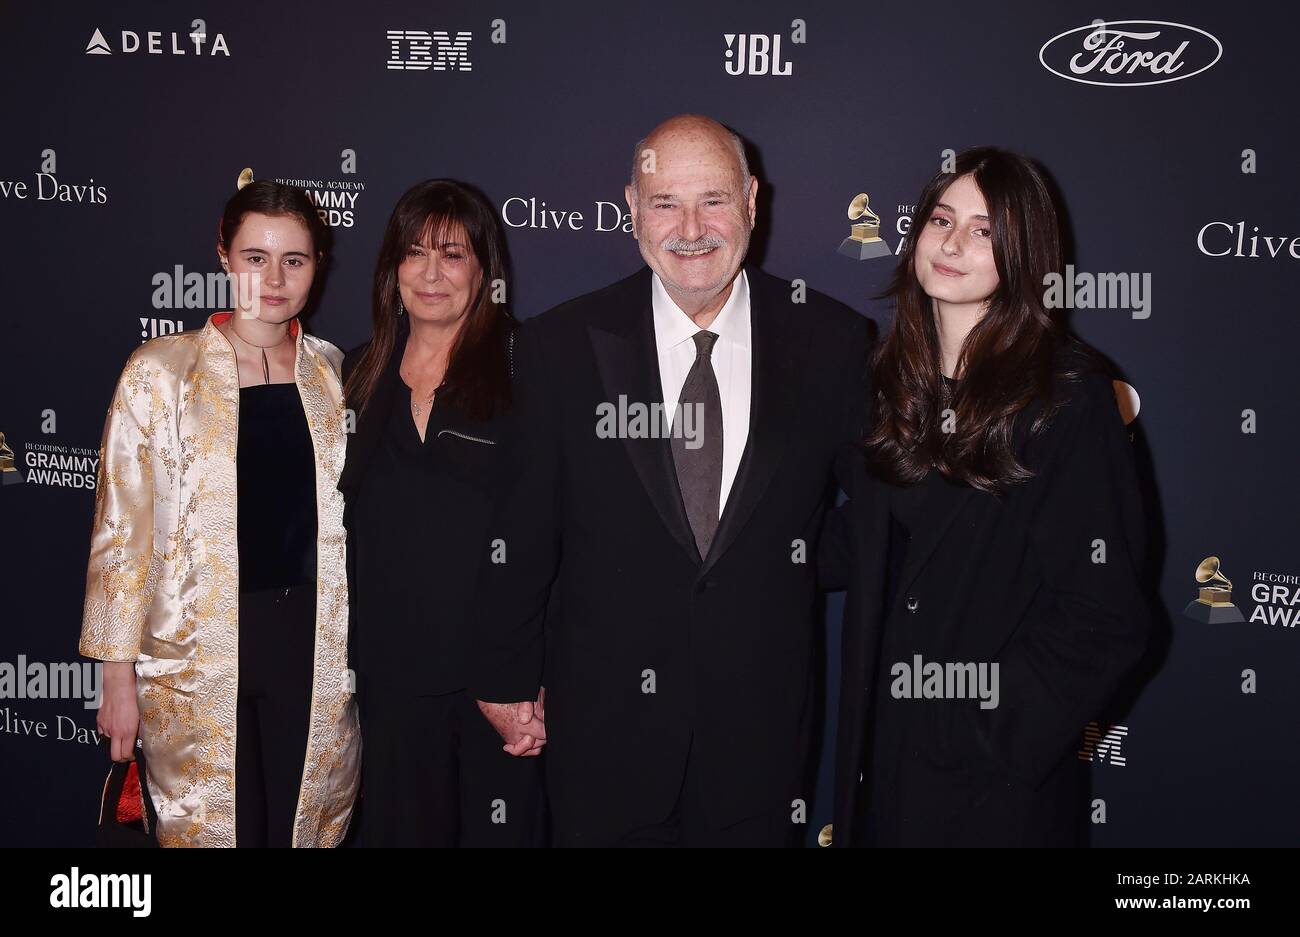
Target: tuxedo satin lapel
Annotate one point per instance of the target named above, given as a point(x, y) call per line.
point(776, 345)
point(628, 361)
point(924, 541)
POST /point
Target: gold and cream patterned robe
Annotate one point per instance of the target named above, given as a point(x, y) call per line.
point(162, 588)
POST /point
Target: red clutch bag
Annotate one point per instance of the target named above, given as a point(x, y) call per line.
point(126, 814)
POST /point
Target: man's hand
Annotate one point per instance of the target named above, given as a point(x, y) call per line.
point(119, 712)
point(520, 725)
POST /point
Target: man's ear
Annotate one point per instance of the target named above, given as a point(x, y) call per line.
point(753, 201)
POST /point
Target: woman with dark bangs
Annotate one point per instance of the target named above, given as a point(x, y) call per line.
point(992, 540)
point(425, 466)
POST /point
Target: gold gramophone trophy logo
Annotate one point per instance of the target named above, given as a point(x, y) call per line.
point(864, 241)
point(9, 474)
point(1213, 605)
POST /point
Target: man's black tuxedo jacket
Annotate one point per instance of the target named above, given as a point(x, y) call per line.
point(649, 652)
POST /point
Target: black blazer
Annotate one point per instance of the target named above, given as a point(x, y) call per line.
point(466, 470)
point(656, 652)
point(1017, 578)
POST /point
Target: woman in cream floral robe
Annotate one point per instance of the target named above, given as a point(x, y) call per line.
point(163, 583)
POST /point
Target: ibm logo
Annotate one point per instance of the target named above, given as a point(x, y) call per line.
point(1106, 747)
point(755, 54)
point(453, 54)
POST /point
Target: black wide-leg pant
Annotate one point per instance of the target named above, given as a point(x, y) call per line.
point(277, 644)
point(434, 773)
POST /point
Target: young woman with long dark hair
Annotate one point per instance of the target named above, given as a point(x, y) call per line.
point(992, 541)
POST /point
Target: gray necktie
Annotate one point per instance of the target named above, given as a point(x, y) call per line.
point(699, 470)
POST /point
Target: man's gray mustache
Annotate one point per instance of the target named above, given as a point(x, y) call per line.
point(677, 244)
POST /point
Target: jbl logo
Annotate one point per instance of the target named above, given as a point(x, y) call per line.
point(453, 54)
point(755, 54)
point(1103, 747)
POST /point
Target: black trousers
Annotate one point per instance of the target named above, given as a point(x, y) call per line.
point(277, 641)
point(434, 773)
point(690, 825)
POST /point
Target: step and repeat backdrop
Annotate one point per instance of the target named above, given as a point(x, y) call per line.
point(1173, 141)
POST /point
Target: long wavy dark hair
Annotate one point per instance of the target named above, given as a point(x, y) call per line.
point(1010, 358)
point(478, 369)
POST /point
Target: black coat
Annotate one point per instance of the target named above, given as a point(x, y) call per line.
point(441, 546)
point(726, 643)
point(1010, 580)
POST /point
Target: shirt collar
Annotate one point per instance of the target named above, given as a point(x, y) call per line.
point(673, 326)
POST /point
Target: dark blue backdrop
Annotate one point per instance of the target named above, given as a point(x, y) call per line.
point(147, 143)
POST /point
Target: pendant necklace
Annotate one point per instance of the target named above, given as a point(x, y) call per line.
point(417, 407)
point(266, 367)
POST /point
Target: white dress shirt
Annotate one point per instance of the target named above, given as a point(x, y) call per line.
point(732, 365)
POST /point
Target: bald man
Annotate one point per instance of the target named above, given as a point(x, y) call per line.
point(680, 431)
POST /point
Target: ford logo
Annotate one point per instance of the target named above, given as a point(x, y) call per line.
point(1130, 53)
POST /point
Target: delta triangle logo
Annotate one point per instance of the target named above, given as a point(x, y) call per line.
point(98, 45)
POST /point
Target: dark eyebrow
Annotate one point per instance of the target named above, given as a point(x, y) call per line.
point(263, 250)
point(949, 208)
